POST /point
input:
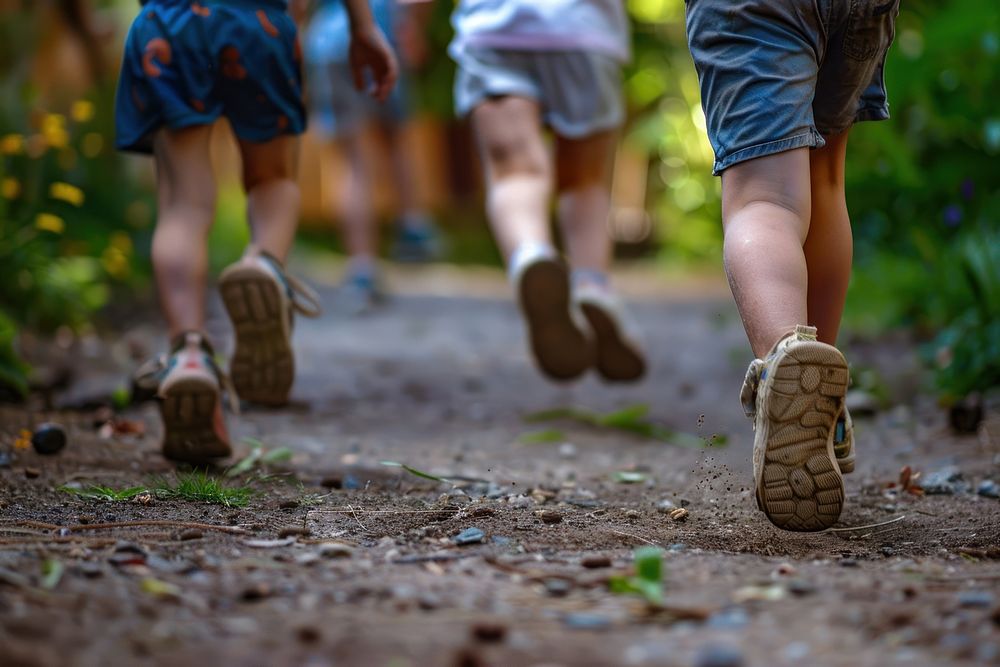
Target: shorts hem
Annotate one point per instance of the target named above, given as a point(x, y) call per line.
point(469, 105)
point(809, 139)
point(864, 115)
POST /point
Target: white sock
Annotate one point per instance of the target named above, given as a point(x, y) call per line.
point(528, 252)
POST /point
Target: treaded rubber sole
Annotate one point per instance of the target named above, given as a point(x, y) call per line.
point(800, 486)
point(617, 360)
point(561, 349)
point(263, 365)
point(189, 409)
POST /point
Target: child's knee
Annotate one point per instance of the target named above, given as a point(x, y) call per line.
point(781, 180)
point(514, 154)
point(258, 175)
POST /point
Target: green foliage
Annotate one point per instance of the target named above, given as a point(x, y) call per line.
point(414, 471)
point(200, 487)
point(631, 419)
point(259, 457)
point(647, 581)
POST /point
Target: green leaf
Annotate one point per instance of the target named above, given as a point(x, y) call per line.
point(414, 471)
point(649, 564)
point(52, 572)
point(630, 477)
point(542, 437)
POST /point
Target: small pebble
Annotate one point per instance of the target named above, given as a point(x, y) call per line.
point(294, 531)
point(988, 489)
point(489, 631)
point(718, 655)
point(679, 514)
point(257, 591)
point(332, 483)
point(190, 534)
point(583, 620)
point(676, 547)
point(48, 439)
point(288, 504)
point(730, 618)
point(550, 516)
point(848, 562)
point(594, 561)
point(567, 450)
point(557, 587)
point(32, 473)
point(428, 601)
point(309, 634)
point(977, 599)
point(632, 515)
point(5, 459)
point(801, 587)
point(665, 506)
point(483, 510)
point(469, 536)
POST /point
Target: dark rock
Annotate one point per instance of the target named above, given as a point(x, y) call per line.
point(718, 655)
point(583, 620)
point(308, 634)
point(848, 562)
point(483, 510)
point(948, 481)
point(332, 483)
point(428, 601)
point(190, 534)
point(977, 599)
point(469, 536)
point(801, 587)
point(557, 587)
point(594, 561)
point(489, 631)
point(32, 473)
point(966, 415)
point(6, 459)
point(288, 504)
point(48, 439)
point(550, 516)
point(988, 488)
point(89, 569)
point(257, 591)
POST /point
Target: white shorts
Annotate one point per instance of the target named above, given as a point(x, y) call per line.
point(580, 92)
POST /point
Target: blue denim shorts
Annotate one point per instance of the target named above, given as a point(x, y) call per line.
point(781, 74)
point(188, 63)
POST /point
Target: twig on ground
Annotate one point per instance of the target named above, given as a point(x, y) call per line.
point(130, 524)
point(636, 537)
point(866, 526)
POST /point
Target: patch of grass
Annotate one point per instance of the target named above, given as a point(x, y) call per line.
point(632, 419)
point(200, 487)
point(106, 493)
point(647, 580)
point(414, 471)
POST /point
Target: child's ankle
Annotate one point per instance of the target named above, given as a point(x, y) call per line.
point(529, 251)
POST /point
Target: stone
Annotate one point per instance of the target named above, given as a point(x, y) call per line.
point(550, 516)
point(489, 631)
point(665, 506)
point(469, 536)
point(294, 531)
point(190, 534)
point(976, 598)
point(557, 587)
point(582, 620)
point(988, 489)
point(730, 618)
point(335, 550)
point(594, 561)
point(718, 655)
point(48, 439)
point(948, 481)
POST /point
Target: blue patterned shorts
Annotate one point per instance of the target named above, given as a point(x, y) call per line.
point(189, 63)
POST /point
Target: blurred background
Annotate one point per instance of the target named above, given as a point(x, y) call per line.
point(923, 189)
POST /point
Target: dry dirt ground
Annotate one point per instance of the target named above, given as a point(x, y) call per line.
point(339, 560)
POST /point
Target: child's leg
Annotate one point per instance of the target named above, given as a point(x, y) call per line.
point(765, 211)
point(359, 223)
point(518, 171)
point(186, 208)
point(583, 171)
point(269, 176)
point(829, 245)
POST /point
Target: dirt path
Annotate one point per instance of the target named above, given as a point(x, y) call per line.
point(343, 561)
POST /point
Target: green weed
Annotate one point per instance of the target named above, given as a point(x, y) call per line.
point(200, 487)
point(632, 419)
point(647, 580)
point(106, 493)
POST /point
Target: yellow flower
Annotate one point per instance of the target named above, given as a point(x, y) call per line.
point(10, 188)
point(92, 144)
point(23, 440)
point(67, 193)
point(11, 144)
point(50, 223)
point(82, 111)
point(115, 262)
point(121, 242)
point(54, 130)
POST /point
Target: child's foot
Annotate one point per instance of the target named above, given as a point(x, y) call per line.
point(795, 398)
point(619, 353)
point(417, 240)
point(559, 343)
point(361, 290)
point(261, 299)
point(188, 385)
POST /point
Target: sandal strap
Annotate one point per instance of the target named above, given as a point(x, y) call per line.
point(305, 300)
point(748, 394)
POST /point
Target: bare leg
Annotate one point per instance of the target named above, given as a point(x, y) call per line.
point(186, 198)
point(765, 213)
point(359, 220)
point(403, 178)
point(829, 246)
point(583, 174)
point(269, 176)
point(518, 171)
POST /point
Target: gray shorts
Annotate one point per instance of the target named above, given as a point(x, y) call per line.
point(780, 74)
point(580, 92)
point(336, 107)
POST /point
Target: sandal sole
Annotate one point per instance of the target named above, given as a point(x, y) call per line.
point(617, 359)
point(263, 364)
point(561, 350)
point(800, 486)
point(188, 408)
